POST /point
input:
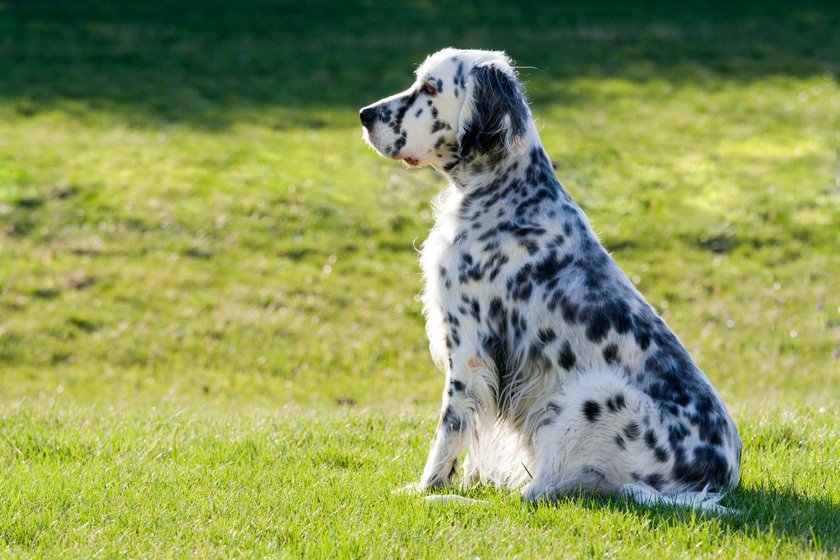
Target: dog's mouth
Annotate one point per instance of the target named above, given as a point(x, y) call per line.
point(410, 161)
point(370, 139)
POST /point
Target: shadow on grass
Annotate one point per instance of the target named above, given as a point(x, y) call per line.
point(814, 523)
point(207, 63)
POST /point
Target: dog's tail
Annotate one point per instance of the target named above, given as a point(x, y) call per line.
point(702, 501)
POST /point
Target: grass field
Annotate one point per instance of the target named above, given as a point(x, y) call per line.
point(210, 340)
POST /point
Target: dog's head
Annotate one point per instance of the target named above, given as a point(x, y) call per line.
point(464, 103)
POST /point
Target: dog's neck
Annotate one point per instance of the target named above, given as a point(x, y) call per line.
point(525, 162)
point(474, 170)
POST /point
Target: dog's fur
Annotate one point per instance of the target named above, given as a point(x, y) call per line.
point(558, 372)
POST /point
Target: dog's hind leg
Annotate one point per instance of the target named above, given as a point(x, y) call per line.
point(578, 443)
point(588, 480)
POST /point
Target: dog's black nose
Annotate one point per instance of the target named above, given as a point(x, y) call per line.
point(368, 115)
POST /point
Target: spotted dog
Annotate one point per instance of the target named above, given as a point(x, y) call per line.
point(560, 377)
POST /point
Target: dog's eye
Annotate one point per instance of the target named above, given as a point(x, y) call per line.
point(429, 88)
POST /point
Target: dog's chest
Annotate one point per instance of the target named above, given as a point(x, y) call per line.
point(543, 286)
point(479, 263)
point(472, 258)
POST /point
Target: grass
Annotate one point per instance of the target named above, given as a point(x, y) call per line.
point(294, 482)
point(210, 341)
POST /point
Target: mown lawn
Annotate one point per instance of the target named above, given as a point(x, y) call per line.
point(210, 340)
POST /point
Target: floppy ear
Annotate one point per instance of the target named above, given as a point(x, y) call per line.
point(495, 112)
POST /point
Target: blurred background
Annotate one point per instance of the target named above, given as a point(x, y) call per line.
point(188, 213)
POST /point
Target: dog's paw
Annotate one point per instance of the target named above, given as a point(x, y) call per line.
point(533, 494)
point(528, 495)
point(418, 488)
point(413, 489)
point(445, 499)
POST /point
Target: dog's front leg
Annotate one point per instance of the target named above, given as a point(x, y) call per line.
point(457, 422)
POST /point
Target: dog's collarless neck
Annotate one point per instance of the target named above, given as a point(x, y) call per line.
point(477, 171)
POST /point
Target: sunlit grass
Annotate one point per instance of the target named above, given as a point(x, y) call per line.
point(169, 481)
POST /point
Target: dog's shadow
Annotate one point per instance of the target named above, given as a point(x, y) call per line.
point(783, 514)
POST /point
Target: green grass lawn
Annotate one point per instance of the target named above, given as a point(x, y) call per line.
point(210, 337)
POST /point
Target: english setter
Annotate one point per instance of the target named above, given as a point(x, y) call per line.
point(560, 377)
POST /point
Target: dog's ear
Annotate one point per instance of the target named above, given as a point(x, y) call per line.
point(495, 112)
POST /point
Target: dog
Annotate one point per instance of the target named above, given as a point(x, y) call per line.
point(560, 377)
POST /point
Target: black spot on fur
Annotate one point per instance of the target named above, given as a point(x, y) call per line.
point(597, 328)
point(591, 410)
point(452, 320)
point(497, 308)
point(616, 403)
point(521, 230)
point(519, 286)
point(494, 265)
point(619, 441)
point(641, 330)
point(451, 421)
point(568, 309)
point(539, 170)
point(418, 112)
point(518, 325)
point(444, 275)
point(676, 434)
point(474, 308)
point(407, 102)
point(655, 481)
point(567, 358)
point(546, 335)
point(632, 430)
point(469, 269)
point(619, 314)
point(556, 242)
point(459, 80)
point(529, 245)
point(611, 353)
point(709, 467)
point(660, 454)
point(650, 439)
point(710, 427)
point(528, 206)
point(548, 268)
point(536, 356)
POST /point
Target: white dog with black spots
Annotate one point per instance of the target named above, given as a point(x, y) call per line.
point(560, 377)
